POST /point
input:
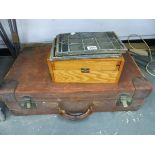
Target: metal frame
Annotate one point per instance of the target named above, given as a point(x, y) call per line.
point(7, 41)
point(14, 33)
point(57, 52)
point(14, 47)
point(111, 38)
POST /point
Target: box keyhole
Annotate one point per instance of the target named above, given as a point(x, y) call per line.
point(85, 70)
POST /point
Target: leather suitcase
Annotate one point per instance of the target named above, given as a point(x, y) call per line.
point(27, 89)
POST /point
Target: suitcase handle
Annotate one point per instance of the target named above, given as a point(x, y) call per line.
point(75, 116)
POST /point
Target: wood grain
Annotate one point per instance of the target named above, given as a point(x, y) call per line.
point(96, 64)
point(75, 76)
point(107, 70)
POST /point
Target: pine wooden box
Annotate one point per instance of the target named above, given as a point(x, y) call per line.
point(86, 57)
point(104, 70)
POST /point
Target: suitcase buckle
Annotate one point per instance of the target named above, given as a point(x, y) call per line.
point(124, 100)
point(27, 102)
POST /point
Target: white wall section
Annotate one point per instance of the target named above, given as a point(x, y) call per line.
point(33, 31)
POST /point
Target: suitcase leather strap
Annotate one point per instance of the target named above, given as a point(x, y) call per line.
point(76, 116)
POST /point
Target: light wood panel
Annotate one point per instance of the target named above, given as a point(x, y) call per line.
point(96, 64)
point(106, 70)
point(75, 76)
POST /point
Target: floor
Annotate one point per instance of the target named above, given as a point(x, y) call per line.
point(106, 123)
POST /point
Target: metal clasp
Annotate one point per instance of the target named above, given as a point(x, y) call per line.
point(27, 102)
point(124, 100)
point(85, 70)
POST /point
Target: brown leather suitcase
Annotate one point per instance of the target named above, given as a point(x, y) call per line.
point(28, 89)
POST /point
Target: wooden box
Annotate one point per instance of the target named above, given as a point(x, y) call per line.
point(107, 70)
point(86, 57)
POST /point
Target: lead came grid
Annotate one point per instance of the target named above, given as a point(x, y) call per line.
point(80, 42)
point(86, 45)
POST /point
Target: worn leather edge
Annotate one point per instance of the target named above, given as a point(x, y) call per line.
point(7, 88)
point(143, 88)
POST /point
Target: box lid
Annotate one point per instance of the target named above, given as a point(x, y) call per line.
point(87, 45)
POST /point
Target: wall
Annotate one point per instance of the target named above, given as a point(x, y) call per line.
point(45, 30)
